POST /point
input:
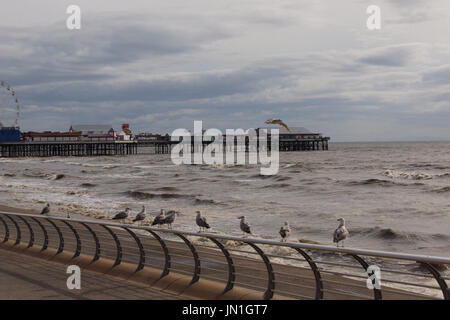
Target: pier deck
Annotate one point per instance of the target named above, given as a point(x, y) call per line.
point(65, 149)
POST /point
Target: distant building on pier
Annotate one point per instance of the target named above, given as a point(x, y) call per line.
point(48, 136)
point(125, 134)
point(151, 137)
point(296, 133)
point(95, 132)
point(9, 134)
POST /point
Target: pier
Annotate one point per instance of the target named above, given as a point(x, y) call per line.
point(117, 148)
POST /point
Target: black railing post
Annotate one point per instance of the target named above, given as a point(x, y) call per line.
point(166, 268)
point(231, 269)
point(270, 274)
point(31, 242)
point(77, 238)
point(437, 275)
point(60, 235)
point(118, 246)
point(45, 244)
point(141, 249)
point(376, 292)
point(197, 268)
point(97, 242)
point(18, 233)
point(6, 238)
point(315, 270)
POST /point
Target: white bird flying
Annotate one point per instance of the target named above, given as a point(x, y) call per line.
point(278, 122)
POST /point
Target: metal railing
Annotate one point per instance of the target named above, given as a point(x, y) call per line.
point(284, 269)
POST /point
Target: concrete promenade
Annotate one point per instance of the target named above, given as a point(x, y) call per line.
point(30, 278)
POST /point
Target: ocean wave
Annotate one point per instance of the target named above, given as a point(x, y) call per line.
point(375, 181)
point(166, 189)
point(442, 175)
point(76, 192)
point(282, 178)
point(88, 185)
point(110, 166)
point(58, 176)
point(300, 165)
point(278, 185)
point(407, 175)
point(49, 176)
point(442, 190)
point(94, 165)
point(142, 195)
point(10, 175)
point(392, 234)
point(429, 165)
point(199, 201)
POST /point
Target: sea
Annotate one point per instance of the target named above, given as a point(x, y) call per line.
point(394, 196)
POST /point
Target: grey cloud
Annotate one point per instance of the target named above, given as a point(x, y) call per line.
point(54, 53)
point(175, 88)
point(409, 18)
point(410, 12)
point(440, 75)
point(312, 88)
point(393, 56)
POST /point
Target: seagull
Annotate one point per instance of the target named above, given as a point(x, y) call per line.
point(285, 231)
point(201, 222)
point(278, 122)
point(159, 219)
point(46, 209)
point(245, 227)
point(68, 215)
point(122, 215)
point(341, 233)
point(140, 216)
point(170, 218)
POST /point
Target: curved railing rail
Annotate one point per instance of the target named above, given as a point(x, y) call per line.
point(283, 269)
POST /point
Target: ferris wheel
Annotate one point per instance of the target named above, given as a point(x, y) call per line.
point(9, 106)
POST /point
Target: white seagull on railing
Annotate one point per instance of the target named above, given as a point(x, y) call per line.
point(122, 215)
point(170, 218)
point(140, 216)
point(46, 209)
point(341, 233)
point(159, 219)
point(285, 231)
point(245, 227)
point(202, 222)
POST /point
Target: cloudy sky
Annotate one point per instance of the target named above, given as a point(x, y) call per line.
point(159, 65)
